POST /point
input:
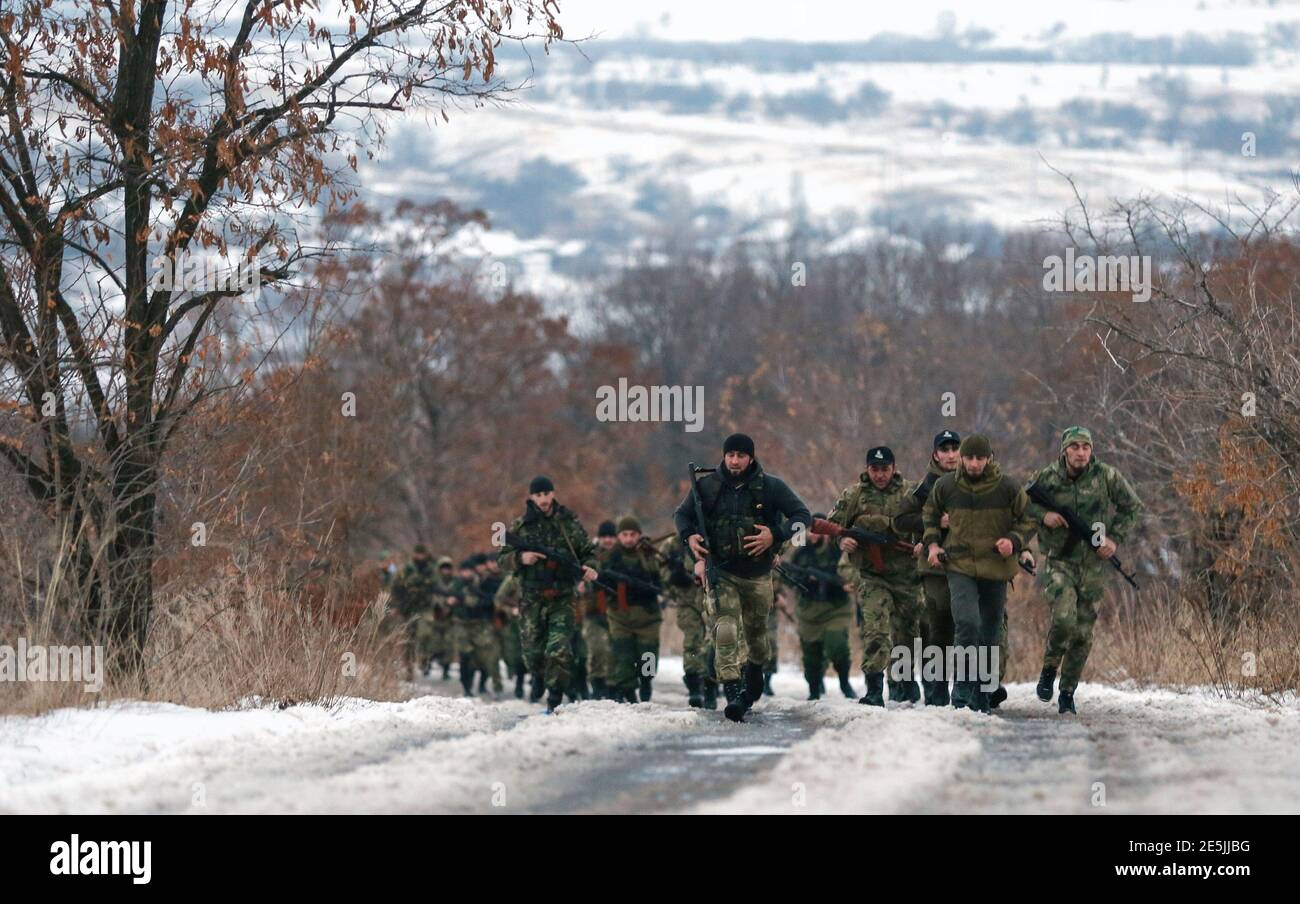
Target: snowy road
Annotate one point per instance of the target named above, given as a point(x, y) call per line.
point(1128, 751)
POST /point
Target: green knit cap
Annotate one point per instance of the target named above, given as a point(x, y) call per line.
point(1075, 435)
point(976, 445)
point(628, 522)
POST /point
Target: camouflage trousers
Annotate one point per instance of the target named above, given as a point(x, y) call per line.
point(770, 664)
point(823, 636)
point(595, 631)
point(697, 638)
point(512, 650)
point(477, 648)
point(740, 629)
point(1073, 592)
point(891, 617)
point(546, 633)
point(633, 647)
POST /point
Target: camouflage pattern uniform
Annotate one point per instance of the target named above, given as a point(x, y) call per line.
point(476, 642)
point(684, 592)
point(595, 630)
point(822, 615)
point(1074, 575)
point(888, 592)
point(507, 601)
point(634, 622)
point(547, 609)
point(412, 596)
point(733, 508)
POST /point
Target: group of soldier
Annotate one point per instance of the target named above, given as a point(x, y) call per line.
point(925, 565)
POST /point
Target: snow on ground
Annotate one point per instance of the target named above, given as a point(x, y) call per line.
point(1152, 750)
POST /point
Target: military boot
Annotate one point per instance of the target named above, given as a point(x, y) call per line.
point(846, 686)
point(998, 697)
point(553, 700)
point(736, 706)
point(815, 689)
point(940, 697)
point(646, 688)
point(519, 685)
point(599, 689)
point(875, 689)
point(767, 684)
point(482, 681)
point(960, 694)
point(754, 683)
point(694, 695)
point(911, 692)
point(1065, 702)
point(1045, 682)
point(467, 678)
point(895, 690)
point(446, 671)
point(978, 698)
point(927, 692)
point(710, 694)
point(537, 689)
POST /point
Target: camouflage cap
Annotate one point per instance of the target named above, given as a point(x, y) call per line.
point(976, 445)
point(629, 522)
point(421, 550)
point(444, 562)
point(1075, 435)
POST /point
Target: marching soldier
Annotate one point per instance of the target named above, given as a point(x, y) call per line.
point(748, 515)
point(936, 621)
point(1074, 573)
point(822, 614)
point(634, 615)
point(888, 586)
point(989, 525)
point(695, 624)
point(548, 587)
point(595, 623)
point(414, 602)
point(506, 602)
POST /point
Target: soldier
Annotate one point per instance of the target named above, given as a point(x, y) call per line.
point(489, 582)
point(548, 587)
point(634, 615)
point(1074, 572)
point(450, 594)
point(506, 602)
point(744, 509)
point(822, 614)
point(595, 623)
point(988, 526)
point(888, 586)
point(936, 621)
point(475, 641)
point(694, 622)
point(413, 601)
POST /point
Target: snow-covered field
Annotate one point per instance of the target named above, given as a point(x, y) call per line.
point(1136, 750)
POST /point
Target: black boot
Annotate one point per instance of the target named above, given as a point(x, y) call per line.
point(1045, 682)
point(978, 698)
point(754, 683)
point(710, 694)
point(599, 689)
point(875, 689)
point(767, 684)
point(646, 689)
point(736, 704)
point(960, 694)
point(519, 685)
point(467, 678)
point(815, 689)
point(927, 692)
point(895, 691)
point(997, 697)
point(553, 699)
point(846, 686)
point(911, 692)
point(940, 697)
point(446, 671)
point(694, 694)
point(482, 681)
point(537, 689)
point(1065, 702)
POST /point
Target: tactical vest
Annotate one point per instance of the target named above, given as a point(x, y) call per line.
point(727, 530)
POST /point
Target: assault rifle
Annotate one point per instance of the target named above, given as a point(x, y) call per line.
point(872, 542)
point(702, 528)
point(819, 576)
point(1079, 529)
point(573, 566)
point(922, 491)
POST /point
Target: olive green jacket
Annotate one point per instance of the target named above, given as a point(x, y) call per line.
point(980, 512)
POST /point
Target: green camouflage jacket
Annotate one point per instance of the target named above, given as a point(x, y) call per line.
point(1099, 495)
point(413, 589)
point(559, 530)
point(893, 509)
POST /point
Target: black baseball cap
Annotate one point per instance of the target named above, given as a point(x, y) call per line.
point(880, 455)
point(946, 436)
